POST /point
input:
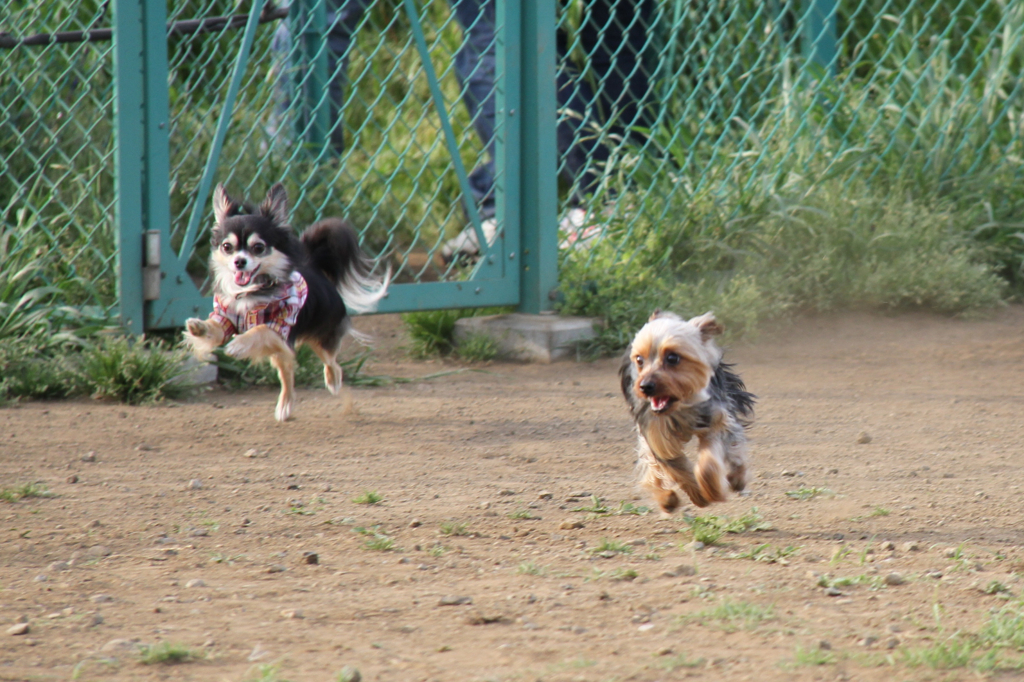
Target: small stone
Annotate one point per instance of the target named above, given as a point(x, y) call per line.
point(97, 552)
point(681, 570)
point(863, 438)
point(292, 486)
point(545, 495)
point(696, 545)
point(101, 599)
point(894, 579)
point(195, 484)
point(888, 545)
point(195, 582)
point(454, 600)
point(276, 568)
point(937, 575)
point(119, 645)
point(570, 524)
point(579, 493)
point(18, 629)
point(209, 644)
point(645, 627)
point(868, 641)
point(415, 523)
point(910, 546)
point(638, 542)
point(949, 552)
point(58, 566)
point(89, 456)
point(310, 558)
point(507, 493)
point(295, 614)
point(477, 617)
point(40, 578)
point(349, 674)
point(825, 645)
point(485, 505)
point(199, 533)
point(96, 619)
point(833, 592)
point(73, 478)
point(892, 643)
point(251, 453)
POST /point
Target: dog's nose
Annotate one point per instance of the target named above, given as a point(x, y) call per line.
point(239, 263)
point(648, 387)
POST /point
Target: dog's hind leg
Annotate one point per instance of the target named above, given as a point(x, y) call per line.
point(711, 466)
point(736, 459)
point(332, 370)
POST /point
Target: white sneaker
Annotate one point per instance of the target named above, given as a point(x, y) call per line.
point(574, 231)
point(465, 243)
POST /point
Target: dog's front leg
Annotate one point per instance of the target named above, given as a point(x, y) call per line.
point(202, 337)
point(263, 342)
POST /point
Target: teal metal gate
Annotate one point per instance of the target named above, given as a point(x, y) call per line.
point(232, 126)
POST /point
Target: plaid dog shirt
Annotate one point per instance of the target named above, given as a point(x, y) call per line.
point(279, 314)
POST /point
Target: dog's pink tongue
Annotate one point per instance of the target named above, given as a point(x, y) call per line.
point(659, 402)
point(242, 278)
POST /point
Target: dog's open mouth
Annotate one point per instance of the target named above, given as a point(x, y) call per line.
point(660, 403)
point(242, 278)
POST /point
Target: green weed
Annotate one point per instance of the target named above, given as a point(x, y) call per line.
point(168, 653)
point(1005, 628)
point(24, 491)
point(813, 656)
point(732, 616)
point(678, 661)
point(368, 497)
point(134, 371)
point(477, 348)
point(596, 507)
point(454, 528)
point(531, 568)
point(709, 528)
point(956, 652)
point(767, 554)
point(521, 515)
point(607, 545)
point(803, 493)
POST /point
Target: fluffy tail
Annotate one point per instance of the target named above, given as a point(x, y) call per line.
point(333, 248)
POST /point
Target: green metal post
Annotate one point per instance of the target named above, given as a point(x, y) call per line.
point(308, 20)
point(129, 205)
point(538, 200)
point(819, 33)
point(508, 145)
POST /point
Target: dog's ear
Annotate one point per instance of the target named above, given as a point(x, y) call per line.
point(223, 205)
point(708, 325)
point(275, 206)
point(655, 315)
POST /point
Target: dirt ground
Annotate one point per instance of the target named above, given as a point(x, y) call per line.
point(191, 523)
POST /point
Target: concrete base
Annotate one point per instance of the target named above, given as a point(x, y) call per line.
point(534, 338)
point(197, 372)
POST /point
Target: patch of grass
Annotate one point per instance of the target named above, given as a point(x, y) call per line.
point(872, 581)
point(477, 348)
point(607, 545)
point(733, 615)
point(706, 529)
point(348, 674)
point(134, 371)
point(1005, 628)
point(804, 493)
point(431, 331)
point(596, 507)
point(437, 550)
point(709, 528)
point(521, 515)
point(812, 657)
point(956, 652)
point(623, 574)
point(168, 653)
point(630, 509)
point(767, 554)
point(265, 672)
point(368, 497)
point(880, 511)
point(379, 543)
point(454, 528)
point(531, 568)
point(673, 663)
point(24, 491)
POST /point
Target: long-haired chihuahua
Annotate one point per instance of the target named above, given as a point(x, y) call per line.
point(677, 387)
point(273, 290)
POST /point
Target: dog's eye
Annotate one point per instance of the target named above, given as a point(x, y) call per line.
point(671, 359)
point(257, 249)
point(639, 361)
point(227, 248)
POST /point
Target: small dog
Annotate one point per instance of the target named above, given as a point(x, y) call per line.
point(275, 290)
point(677, 387)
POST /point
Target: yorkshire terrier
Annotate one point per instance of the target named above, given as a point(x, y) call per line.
point(275, 290)
point(677, 387)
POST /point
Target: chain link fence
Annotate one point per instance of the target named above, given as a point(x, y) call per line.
point(670, 104)
point(382, 111)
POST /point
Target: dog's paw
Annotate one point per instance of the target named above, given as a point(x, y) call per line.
point(195, 326)
point(283, 411)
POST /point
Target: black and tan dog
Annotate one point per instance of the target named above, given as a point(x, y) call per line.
point(677, 387)
point(273, 290)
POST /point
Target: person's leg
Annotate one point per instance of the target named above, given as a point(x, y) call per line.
point(475, 68)
point(342, 22)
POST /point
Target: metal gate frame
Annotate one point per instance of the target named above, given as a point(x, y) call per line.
point(519, 269)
